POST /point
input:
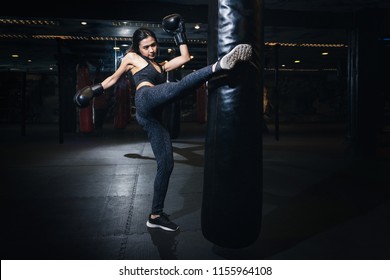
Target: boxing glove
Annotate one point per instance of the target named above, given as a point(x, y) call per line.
point(83, 97)
point(174, 25)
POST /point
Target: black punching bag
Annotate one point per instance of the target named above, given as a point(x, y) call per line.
point(233, 178)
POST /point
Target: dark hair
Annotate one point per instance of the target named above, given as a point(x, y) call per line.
point(138, 36)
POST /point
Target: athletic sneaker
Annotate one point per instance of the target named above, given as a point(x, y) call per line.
point(241, 52)
point(162, 222)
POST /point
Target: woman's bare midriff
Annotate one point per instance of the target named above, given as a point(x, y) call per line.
point(149, 84)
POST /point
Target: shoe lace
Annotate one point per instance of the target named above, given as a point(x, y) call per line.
point(163, 214)
point(165, 217)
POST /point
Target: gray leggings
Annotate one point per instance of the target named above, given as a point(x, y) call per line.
point(146, 100)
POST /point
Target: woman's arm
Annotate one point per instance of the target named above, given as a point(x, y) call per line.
point(178, 61)
point(126, 64)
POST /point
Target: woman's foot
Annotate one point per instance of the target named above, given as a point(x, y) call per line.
point(241, 52)
point(161, 221)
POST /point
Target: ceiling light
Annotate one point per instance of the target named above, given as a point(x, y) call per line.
point(324, 53)
point(197, 26)
point(297, 61)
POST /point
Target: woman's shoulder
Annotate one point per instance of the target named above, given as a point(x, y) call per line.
point(131, 56)
point(133, 59)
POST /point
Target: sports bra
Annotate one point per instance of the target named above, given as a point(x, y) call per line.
point(149, 74)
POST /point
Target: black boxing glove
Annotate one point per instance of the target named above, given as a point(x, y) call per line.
point(83, 97)
point(174, 25)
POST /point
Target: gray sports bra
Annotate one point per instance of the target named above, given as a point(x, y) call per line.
point(149, 74)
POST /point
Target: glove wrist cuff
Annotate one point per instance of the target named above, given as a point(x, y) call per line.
point(180, 38)
point(97, 89)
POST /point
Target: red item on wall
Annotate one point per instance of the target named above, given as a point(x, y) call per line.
point(123, 103)
point(85, 114)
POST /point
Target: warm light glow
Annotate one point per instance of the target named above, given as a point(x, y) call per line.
point(297, 61)
point(302, 70)
point(28, 21)
point(284, 44)
point(324, 53)
point(14, 55)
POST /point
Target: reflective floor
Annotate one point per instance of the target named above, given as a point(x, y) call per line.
point(89, 197)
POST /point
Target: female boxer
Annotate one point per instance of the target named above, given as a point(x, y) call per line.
point(152, 91)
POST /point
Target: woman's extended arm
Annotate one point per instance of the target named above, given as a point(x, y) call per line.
point(178, 61)
point(126, 64)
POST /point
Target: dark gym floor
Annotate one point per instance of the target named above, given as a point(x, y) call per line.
point(89, 197)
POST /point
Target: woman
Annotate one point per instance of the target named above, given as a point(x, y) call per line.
point(152, 91)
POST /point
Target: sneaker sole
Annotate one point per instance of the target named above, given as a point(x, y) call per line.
point(150, 225)
point(242, 52)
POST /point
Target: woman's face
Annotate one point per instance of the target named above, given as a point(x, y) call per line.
point(148, 47)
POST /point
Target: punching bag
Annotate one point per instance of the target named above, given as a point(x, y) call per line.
point(232, 188)
point(85, 114)
point(122, 94)
point(100, 103)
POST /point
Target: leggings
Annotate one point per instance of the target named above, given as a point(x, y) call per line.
point(146, 100)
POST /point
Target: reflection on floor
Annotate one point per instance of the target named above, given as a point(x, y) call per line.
point(89, 197)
